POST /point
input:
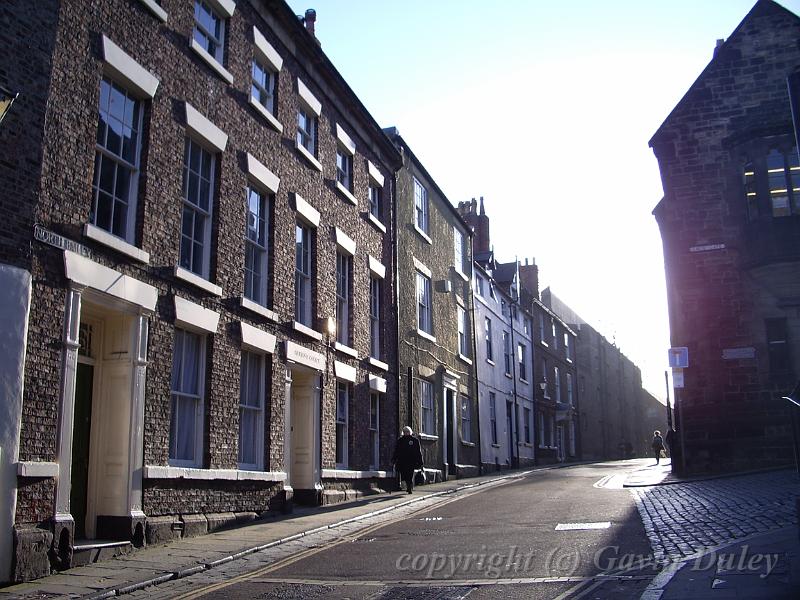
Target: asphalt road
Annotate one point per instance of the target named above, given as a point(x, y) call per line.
point(526, 538)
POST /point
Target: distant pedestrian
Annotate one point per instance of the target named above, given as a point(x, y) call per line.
point(407, 457)
point(658, 445)
point(669, 440)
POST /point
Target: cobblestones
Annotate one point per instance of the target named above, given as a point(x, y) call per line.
point(685, 518)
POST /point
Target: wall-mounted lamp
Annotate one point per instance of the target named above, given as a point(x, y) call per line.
point(330, 328)
point(543, 386)
point(6, 100)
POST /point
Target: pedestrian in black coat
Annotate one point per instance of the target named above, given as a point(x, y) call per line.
point(407, 457)
point(658, 445)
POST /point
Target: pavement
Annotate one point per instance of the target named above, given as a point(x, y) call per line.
point(732, 537)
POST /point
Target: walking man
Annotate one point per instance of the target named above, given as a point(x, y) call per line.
point(407, 457)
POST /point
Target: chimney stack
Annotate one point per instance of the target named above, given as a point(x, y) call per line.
point(309, 20)
point(718, 46)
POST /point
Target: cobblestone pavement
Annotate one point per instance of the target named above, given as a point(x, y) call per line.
point(685, 518)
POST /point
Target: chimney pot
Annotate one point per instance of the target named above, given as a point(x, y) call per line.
point(309, 20)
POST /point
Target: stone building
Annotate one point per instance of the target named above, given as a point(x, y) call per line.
point(198, 322)
point(730, 227)
point(436, 343)
point(505, 374)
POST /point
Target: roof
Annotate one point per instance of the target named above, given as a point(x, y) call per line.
point(761, 8)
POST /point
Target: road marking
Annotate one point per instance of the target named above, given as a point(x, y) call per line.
point(581, 526)
point(602, 578)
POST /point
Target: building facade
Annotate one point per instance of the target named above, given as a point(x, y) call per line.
point(505, 375)
point(436, 343)
point(197, 239)
point(730, 225)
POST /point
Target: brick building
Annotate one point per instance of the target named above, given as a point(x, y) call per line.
point(730, 225)
point(436, 344)
point(196, 247)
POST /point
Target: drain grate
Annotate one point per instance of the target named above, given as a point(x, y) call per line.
point(414, 592)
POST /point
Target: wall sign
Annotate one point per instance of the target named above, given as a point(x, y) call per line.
point(58, 241)
point(738, 353)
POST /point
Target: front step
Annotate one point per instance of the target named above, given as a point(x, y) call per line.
point(91, 551)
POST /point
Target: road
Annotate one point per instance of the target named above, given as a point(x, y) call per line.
point(542, 534)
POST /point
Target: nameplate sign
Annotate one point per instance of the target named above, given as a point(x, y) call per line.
point(707, 248)
point(59, 241)
point(738, 353)
point(304, 356)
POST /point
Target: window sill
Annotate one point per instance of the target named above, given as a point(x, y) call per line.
point(490, 361)
point(376, 222)
point(171, 472)
point(495, 445)
point(508, 375)
point(154, 8)
point(32, 468)
point(569, 360)
point(464, 358)
point(197, 281)
point(470, 444)
point(212, 62)
point(346, 193)
point(258, 309)
point(339, 347)
point(308, 156)
point(422, 234)
point(523, 380)
point(426, 335)
point(378, 363)
point(338, 473)
point(481, 299)
point(103, 237)
point(543, 343)
point(270, 118)
point(305, 330)
point(461, 274)
point(428, 437)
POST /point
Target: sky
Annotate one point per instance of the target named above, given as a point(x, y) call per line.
point(545, 109)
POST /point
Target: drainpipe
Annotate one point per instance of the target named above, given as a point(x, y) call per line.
point(475, 353)
point(515, 436)
point(396, 281)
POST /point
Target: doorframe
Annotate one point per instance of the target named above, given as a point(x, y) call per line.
point(315, 385)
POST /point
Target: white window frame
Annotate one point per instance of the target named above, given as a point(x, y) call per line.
point(542, 335)
point(458, 250)
point(555, 337)
point(493, 417)
point(541, 431)
point(427, 405)
point(421, 208)
point(199, 212)
point(463, 338)
point(479, 285)
point(570, 390)
point(557, 383)
point(344, 278)
point(207, 37)
point(303, 313)
point(269, 62)
point(307, 126)
point(526, 415)
point(344, 168)
point(263, 92)
point(342, 416)
point(375, 200)
point(523, 359)
point(424, 303)
point(252, 360)
point(199, 400)
point(466, 419)
point(103, 153)
point(567, 347)
point(487, 324)
point(375, 429)
point(375, 309)
point(256, 246)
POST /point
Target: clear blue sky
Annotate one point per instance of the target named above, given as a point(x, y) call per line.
point(544, 109)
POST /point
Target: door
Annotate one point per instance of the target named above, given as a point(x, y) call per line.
point(84, 382)
point(450, 396)
point(304, 415)
point(561, 443)
point(510, 431)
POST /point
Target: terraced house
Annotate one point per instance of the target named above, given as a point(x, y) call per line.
point(198, 306)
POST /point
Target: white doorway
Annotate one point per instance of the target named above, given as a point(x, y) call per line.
point(304, 432)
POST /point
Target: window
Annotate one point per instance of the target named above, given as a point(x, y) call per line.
point(256, 240)
point(209, 30)
point(302, 277)
point(344, 270)
point(541, 431)
point(554, 337)
point(542, 335)
point(778, 347)
point(544, 374)
point(251, 411)
point(344, 168)
point(375, 198)
point(427, 420)
point(262, 89)
point(198, 193)
point(421, 207)
point(307, 130)
point(526, 412)
point(557, 383)
point(458, 243)
point(526, 322)
point(186, 405)
point(463, 339)
point(375, 317)
point(507, 352)
point(567, 347)
point(523, 361)
point(374, 430)
point(342, 404)
point(783, 176)
point(488, 327)
point(569, 389)
point(116, 163)
point(479, 285)
point(466, 419)
point(493, 416)
point(424, 315)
